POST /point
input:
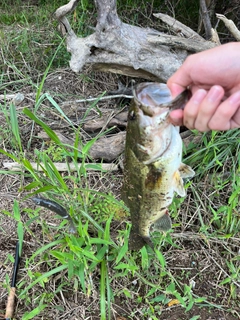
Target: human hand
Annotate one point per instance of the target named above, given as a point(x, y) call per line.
point(213, 76)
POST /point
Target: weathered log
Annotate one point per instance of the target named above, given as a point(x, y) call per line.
point(122, 48)
point(110, 148)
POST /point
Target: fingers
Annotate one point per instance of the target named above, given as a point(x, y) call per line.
point(175, 88)
point(227, 115)
point(206, 111)
point(181, 79)
point(176, 117)
point(189, 115)
point(201, 108)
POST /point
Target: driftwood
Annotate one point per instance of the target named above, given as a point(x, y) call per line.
point(122, 48)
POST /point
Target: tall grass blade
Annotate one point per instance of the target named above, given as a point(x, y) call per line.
point(103, 290)
point(39, 90)
point(15, 125)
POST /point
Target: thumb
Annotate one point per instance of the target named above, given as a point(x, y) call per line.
point(180, 80)
point(175, 88)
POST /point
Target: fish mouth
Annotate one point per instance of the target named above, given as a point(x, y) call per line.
point(155, 99)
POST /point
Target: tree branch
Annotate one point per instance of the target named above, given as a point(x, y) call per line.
point(122, 48)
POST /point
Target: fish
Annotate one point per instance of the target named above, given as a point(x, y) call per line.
point(57, 208)
point(153, 168)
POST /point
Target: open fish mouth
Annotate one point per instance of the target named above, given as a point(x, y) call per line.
point(156, 99)
point(149, 111)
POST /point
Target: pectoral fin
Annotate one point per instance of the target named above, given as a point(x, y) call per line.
point(186, 171)
point(178, 184)
point(164, 223)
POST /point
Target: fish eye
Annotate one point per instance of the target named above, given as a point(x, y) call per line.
point(132, 115)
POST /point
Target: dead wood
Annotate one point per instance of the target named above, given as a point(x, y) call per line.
point(108, 119)
point(230, 25)
point(108, 148)
point(206, 19)
point(60, 166)
point(104, 148)
point(178, 27)
point(191, 45)
point(122, 48)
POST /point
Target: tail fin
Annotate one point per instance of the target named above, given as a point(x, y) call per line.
point(136, 241)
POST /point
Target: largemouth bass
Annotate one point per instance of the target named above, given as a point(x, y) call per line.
point(153, 168)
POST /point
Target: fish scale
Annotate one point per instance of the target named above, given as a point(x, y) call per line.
point(153, 168)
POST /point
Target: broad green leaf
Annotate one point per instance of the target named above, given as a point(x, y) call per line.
point(30, 315)
point(122, 252)
point(161, 258)
point(14, 125)
point(103, 289)
point(145, 260)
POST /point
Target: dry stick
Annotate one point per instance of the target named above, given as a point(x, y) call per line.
point(60, 166)
point(99, 99)
point(11, 297)
point(230, 25)
point(206, 19)
point(115, 96)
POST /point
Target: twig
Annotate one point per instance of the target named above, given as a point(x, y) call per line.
point(98, 99)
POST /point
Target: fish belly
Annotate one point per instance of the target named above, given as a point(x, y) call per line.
point(162, 181)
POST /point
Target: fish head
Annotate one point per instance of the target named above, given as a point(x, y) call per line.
point(148, 119)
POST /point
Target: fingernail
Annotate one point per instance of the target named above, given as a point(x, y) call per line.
point(215, 93)
point(198, 96)
point(235, 98)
